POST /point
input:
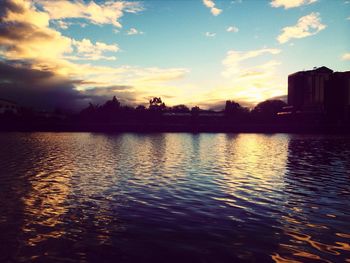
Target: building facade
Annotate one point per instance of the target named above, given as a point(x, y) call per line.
point(337, 92)
point(306, 89)
point(320, 91)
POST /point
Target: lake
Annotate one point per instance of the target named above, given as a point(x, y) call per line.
point(174, 197)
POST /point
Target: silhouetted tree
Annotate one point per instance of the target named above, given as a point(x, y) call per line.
point(195, 110)
point(195, 115)
point(109, 111)
point(156, 104)
point(231, 107)
point(140, 108)
point(268, 109)
point(89, 113)
point(111, 105)
point(180, 109)
point(235, 112)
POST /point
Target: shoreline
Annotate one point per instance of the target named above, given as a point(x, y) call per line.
point(176, 128)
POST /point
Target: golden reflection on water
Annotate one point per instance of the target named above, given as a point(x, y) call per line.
point(247, 172)
point(55, 180)
point(250, 172)
point(50, 179)
point(300, 242)
point(305, 230)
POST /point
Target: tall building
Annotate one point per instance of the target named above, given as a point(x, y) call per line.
point(337, 93)
point(306, 89)
point(321, 91)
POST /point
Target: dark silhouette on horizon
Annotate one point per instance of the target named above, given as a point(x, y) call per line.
point(318, 101)
point(322, 93)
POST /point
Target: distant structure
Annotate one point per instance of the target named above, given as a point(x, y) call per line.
point(337, 94)
point(320, 91)
point(8, 106)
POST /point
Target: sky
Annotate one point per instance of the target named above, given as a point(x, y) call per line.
point(196, 52)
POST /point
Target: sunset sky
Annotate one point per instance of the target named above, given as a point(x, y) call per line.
point(194, 52)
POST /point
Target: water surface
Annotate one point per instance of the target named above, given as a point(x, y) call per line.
point(84, 197)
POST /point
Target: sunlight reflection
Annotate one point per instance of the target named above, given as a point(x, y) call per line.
point(300, 223)
point(250, 168)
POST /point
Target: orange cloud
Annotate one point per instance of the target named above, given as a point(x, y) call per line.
point(26, 36)
point(291, 3)
point(211, 5)
point(107, 13)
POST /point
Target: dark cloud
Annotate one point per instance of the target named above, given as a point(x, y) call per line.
point(125, 94)
point(37, 88)
point(20, 31)
point(43, 89)
point(8, 5)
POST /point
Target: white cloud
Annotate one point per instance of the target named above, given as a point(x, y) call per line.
point(134, 31)
point(86, 50)
point(211, 5)
point(248, 78)
point(232, 29)
point(108, 12)
point(291, 3)
point(209, 34)
point(346, 56)
point(233, 59)
point(306, 26)
point(62, 24)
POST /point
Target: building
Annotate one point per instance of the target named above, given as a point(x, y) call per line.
point(337, 93)
point(306, 89)
point(320, 91)
point(8, 106)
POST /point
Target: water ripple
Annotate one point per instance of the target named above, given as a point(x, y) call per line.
point(84, 197)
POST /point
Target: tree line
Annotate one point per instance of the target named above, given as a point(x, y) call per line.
point(113, 110)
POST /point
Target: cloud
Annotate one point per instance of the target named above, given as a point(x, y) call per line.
point(248, 78)
point(209, 34)
point(211, 5)
point(86, 50)
point(232, 29)
point(108, 12)
point(28, 46)
point(346, 56)
point(45, 89)
point(134, 31)
point(24, 33)
point(306, 26)
point(153, 75)
point(37, 87)
point(234, 58)
point(290, 3)
point(62, 24)
point(125, 94)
